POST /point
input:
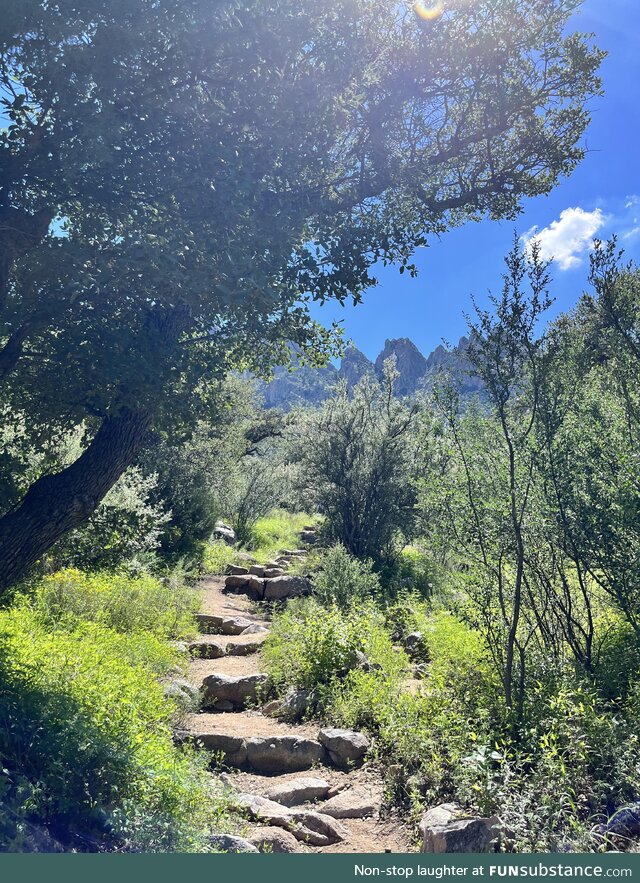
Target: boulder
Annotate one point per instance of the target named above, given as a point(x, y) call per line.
point(415, 646)
point(354, 803)
point(445, 829)
point(283, 754)
point(229, 843)
point(249, 585)
point(271, 572)
point(309, 537)
point(224, 532)
point(257, 570)
point(317, 829)
point(273, 840)
point(236, 570)
point(236, 690)
point(282, 587)
point(207, 649)
point(309, 827)
point(234, 625)
point(297, 791)
point(346, 747)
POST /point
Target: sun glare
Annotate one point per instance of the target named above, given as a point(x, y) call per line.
point(428, 11)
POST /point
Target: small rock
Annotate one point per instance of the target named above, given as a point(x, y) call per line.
point(297, 791)
point(282, 587)
point(224, 532)
point(295, 704)
point(421, 671)
point(346, 747)
point(234, 625)
point(273, 840)
point(229, 843)
point(255, 629)
point(354, 803)
point(237, 690)
point(445, 830)
point(237, 570)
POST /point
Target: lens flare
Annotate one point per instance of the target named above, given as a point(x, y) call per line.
point(428, 11)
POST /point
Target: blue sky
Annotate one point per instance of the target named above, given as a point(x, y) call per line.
point(600, 198)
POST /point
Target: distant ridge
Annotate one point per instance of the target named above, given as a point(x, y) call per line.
point(311, 386)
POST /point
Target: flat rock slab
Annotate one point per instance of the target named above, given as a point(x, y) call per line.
point(307, 826)
point(346, 747)
point(297, 791)
point(236, 690)
point(284, 754)
point(354, 803)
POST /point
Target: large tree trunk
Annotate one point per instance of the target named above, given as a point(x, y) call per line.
point(57, 503)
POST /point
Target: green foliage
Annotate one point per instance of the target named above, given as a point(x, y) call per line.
point(217, 556)
point(356, 458)
point(143, 604)
point(276, 531)
point(343, 580)
point(316, 647)
point(86, 744)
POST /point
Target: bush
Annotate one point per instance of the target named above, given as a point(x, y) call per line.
point(276, 531)
point(356, 461)
point(316, 647)
point(125, 604)
point(343, 580)
point(86, 743)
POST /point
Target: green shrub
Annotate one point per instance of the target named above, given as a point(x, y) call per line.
point(316, 647)
point(117, 601)
point(343, 580)
point(217, 556)
point(276, 531)
point(86, 744)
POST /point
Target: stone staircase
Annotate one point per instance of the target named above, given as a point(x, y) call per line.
point(334, 806)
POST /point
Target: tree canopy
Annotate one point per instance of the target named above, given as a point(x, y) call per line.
point(179, 178)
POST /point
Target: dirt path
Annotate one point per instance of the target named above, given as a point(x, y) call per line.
point(268, 763)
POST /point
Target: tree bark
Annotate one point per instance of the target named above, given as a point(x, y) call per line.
point(56, 504)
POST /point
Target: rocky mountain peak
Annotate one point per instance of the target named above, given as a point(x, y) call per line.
point(410, 364)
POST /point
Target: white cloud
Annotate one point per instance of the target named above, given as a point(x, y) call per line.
point(568, 239)
point(631, 234)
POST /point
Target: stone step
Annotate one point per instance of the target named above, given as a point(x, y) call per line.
point(252, 741)
point(224, 692)
point(217, 646)
point(218, 624)
point(308, 826)
point(273, 588)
